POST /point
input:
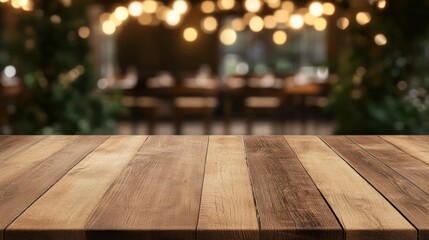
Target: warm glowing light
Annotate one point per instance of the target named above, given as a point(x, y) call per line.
point(309, 19)
point(84, 32)
point(145, 19)
point(149, 6)
point(121, 13)
point(343, 23)
point(115, 20)
point(228, 36)
point(247, 17)
point(172, 18)
point(320, 24)
point(135, 8)
point(3, 1)
point(381, 4)
point(273, 3)
point(363, 18)
point(180, 6)
point(256, 24)
point(226, 4)
point(296, 21)
point(328, 8)
point(208, 7)
point(209, 24)
point(279, 37)
point(9, 71)
point(316, 9)
point(281, 16)
point(288, 6)
point(108, 27)
point(380, 39)
point(270, 22)
point(190, 34)
point(253, 5)
point(238, 25)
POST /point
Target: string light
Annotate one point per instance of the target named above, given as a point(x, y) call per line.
point(121, 13)
point(256, 24)
point(209, 24)
point(135, 8)
point(296, 21)
point(208, 7)
point(228, 36)
point(270, 22)
point(253, 5)
point(279, 37)
point(363, 18)
point(149, 6)
point(190, 34)
point(343, 23)
point(108, 27)
point(380, 39)
point(172, 18)
point(226, 4)
point(180, 6)
point(328, 9)
point(316, 9)
point(238, 24)
point(320, 24)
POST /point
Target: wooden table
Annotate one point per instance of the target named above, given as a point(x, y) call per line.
point(217, 187)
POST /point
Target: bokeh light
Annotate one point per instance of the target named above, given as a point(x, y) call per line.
point(316, 9)
point(256, 24)
point(226, 4)
point(190, 34)
point(363, 18)
point(208, 7)
point(279, 37)
point(209, 24)
point(343, 23)
point(380, 39)
point(253, 5)
point(84, 32)
point(270, 22)
point(228, 36)
point(135, 8)
point(328, 8)
point(180, 6)
point(320, 24)
point(296, 21)
point(108, 27)
point(149, 6)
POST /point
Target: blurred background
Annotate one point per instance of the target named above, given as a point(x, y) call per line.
point(214, 67)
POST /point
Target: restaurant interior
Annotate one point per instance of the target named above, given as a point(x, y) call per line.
point(214, 67)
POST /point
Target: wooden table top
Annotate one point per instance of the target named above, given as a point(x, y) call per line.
point(214, 187)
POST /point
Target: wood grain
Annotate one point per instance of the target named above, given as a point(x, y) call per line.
point(158, 195)
point(362, 211)
point(227, 208)
point(404, 195)
point(401, 162)
point(417, 147)
point(25, 158)
point(10, 145)
point(62, 212)
point(25, 189)
point(289, 204)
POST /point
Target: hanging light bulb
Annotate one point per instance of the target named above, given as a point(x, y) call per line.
point(296, 21)
point(316, 9)
point(228, 36)
point(209, 24)
point(135, 8)
point(256, 24)
point(253, 5)
point(190, 34)
point(180, 6)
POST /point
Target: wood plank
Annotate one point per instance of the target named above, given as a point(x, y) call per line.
point(25, 189)
point(18, 163)
point(408, 166)
point(158, 195)
point(227, 208)
point(417, 147)
point(10, 145)
point(403, 194)
point(362, 211)
point(289, 204)
point(62, 212)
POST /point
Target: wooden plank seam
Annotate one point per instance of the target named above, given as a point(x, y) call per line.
point(253, 188)
point(393, 205)
point(53, 184)
point(321, 194)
